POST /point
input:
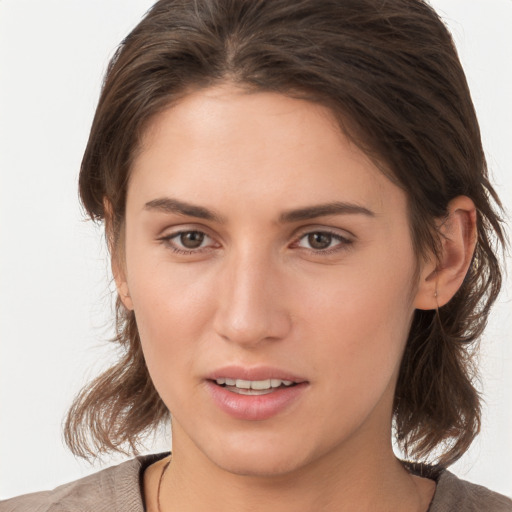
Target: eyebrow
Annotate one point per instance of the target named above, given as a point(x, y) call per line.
point(170, 205)
point(323, 210)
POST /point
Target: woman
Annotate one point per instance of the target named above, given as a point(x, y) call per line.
point(301, 231)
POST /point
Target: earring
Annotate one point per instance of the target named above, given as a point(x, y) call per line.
point(435, 298)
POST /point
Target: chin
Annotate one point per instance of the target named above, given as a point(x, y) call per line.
point(258, 459)
point(262, 466)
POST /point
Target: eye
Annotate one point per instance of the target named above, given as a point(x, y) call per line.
point(187, 242)
point(190, 239)
point(323, 241)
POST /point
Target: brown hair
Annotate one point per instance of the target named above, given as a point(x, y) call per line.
point(389, 71)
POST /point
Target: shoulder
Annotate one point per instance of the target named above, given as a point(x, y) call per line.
point(453, 495)
point(117, 488)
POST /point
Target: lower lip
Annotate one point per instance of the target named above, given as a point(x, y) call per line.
point(254, 407)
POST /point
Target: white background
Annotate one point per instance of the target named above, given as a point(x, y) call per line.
point(55, 304)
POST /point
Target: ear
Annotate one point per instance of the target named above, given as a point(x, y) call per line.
point(440, 279)
point(117, 259)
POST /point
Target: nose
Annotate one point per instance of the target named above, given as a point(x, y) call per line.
point(251, 302)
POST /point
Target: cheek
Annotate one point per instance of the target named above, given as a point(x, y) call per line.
point(173, 311)
point(362, 323)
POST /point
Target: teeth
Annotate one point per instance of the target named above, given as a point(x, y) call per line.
point(254, 384)
point(261, 384)
point(244, 384)
point(250, 392)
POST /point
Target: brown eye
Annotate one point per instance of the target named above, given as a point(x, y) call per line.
point(191, 239)
point(189, 242)
point(323, 242)
point(319, 240)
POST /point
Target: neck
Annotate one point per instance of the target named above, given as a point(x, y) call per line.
point(337, 482)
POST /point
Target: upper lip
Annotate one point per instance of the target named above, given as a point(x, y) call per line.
point(254, 373)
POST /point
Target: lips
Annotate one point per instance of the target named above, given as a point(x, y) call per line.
point(254, 393)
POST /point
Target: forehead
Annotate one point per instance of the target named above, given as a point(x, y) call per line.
point(226, 144)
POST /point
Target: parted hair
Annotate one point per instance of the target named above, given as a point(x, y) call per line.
point(389, 72)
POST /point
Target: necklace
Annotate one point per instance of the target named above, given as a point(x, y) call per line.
point(160, 485)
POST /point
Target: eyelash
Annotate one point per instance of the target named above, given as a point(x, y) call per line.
point(344, 242)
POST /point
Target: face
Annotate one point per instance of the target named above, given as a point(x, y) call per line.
point(271, 270)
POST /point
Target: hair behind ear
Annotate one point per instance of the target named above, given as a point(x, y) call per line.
point(436, 403)
point(437, 411)
point(116, 410)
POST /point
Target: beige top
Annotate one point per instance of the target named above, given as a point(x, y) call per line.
point(119, 489)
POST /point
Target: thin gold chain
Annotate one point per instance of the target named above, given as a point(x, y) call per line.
point(160, 485)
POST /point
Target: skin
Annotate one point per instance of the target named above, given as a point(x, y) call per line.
point(256, 292)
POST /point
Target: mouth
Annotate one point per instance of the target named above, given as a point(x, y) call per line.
point(255, 394)
point(253, 387)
